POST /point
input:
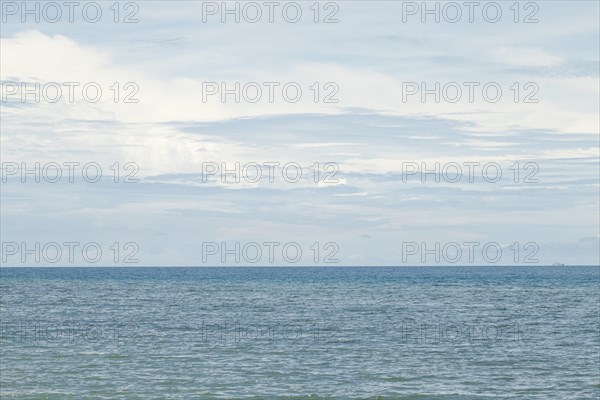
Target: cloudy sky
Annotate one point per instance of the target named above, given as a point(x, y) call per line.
point(518, 90)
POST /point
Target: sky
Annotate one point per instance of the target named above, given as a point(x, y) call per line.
point(334, 112)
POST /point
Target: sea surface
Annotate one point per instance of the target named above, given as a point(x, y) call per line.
point(220, 333)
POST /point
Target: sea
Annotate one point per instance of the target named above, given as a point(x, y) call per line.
point(489, 332)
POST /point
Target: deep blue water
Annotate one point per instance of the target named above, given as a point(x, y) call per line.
point(407, 333)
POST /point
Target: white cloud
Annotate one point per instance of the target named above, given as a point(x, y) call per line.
point(526, 57)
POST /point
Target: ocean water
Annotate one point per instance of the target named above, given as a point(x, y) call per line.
point(216, 333)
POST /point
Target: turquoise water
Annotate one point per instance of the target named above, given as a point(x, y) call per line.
point(398, 333)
